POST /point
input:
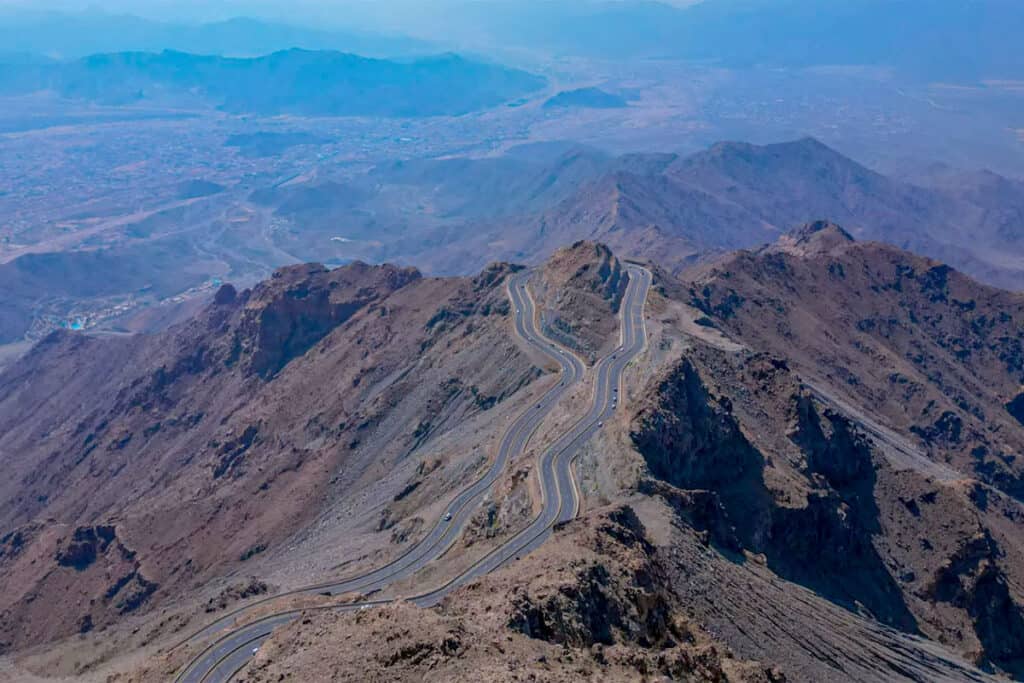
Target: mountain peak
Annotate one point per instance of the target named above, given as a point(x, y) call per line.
point(579, 290)
point(818, 231)
point(810, 142)
point(580, 256)
point(817, 237)
point(806, 143)
point(749, 163)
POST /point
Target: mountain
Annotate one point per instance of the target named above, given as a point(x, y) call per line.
point(930, 349)
point(788, 183)
point(948, 41)
point(71, 36)
point(851, 416)
point(680, 209)
point(646, 214)
point(820, 433)
point(205, 448)
point(35, 286)
point(579, 290)
point(294, 81)
point(587, 98)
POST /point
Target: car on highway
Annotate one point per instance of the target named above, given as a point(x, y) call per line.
point(255, 649)
point(447, 516)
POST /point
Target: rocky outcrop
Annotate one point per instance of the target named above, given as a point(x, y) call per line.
point(817, 237)
point(818, 532)
point(131, 591)
point(286, 315)
point(603, 607)
point(231, 452)
point(225, 295)
point(236, 592)
point(13, 542)
point(972, 580)
point(688, 438)
point(85, 545)
point(833, 447)
point(579, 291)
point(1016, 407)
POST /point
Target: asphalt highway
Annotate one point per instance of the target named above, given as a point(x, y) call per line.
point(558, 487)
point(229, 653)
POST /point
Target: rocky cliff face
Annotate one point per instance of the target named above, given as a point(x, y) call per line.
point(286, 315)
point(972, 580)
point(815, 527)
point(689, 438)
point(834, 447)
point(605, 605)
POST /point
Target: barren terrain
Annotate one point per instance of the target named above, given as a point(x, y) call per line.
point(755, 512)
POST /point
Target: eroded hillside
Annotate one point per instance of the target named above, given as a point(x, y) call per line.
point(841, 413)
point(141, 468)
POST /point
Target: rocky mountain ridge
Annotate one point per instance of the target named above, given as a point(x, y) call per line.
point(676, 210)
point(811, 475)
point(203, 448)
point(857, 441)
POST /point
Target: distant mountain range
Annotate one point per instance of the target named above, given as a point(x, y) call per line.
point(70, 36)
point(321, 83)
point(949, 40)
point(454, 215)
point(675, 209)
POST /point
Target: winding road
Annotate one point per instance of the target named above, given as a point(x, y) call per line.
point(228, 654)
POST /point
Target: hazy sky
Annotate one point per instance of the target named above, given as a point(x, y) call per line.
point(243, 7)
